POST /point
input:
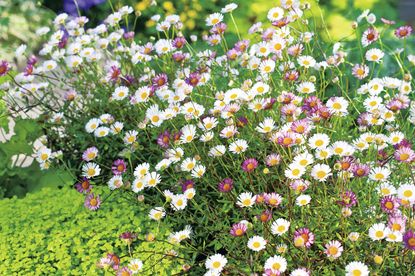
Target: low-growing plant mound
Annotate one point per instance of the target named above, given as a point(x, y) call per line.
point(50, 233)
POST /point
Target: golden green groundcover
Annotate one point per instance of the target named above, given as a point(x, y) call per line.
point(51, 233)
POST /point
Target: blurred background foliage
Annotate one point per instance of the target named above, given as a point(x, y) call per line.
point(29, 15)
point(19, 19)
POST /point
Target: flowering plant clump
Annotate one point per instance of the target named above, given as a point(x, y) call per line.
point(277, 153)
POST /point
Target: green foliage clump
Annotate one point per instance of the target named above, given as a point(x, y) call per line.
point(16, 180)
point(51, 233)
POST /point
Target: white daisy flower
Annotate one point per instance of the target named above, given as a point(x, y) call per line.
point(396, 137)
point(375, 55)
point(115, 182)
point(175, 154)
point(319, 141)
point(217, 151)
point(141, 170)
point(135, 266)
point(386, 189)
point(275, 14)
point(138, 184)
point(229, 8)
point(306, 61)
point(190, 193)
point(92, 125)
point(188, 134)
point(228, 132)
point(257, 243)
point(306, 87)
point(90, 170)
point(266, 126)
point(276, 263)
point(338, 105)
point(238, 146)
point(198, 171)
point(262, 49)
point(267, 66)
point(280, 226)
point(157, 213)
point(120, 93)
point(321, 172)
point(357, 268)
point(154, 115)
point(43, 154)
point(214, 19)
point(188, 164)
point(379, 174)
point(152, 179)
point(216, 262)
point(377, 231)
point(294, 171)
point(342, 148)
point(163, 46)
point(303, 159)
point(208, 123)
point(406, 192)
point(303, 200)
point(393, 236)
point(49, 65)
point(277, 44)
point(246, 200)
point(178, 202)
point(260, 88)
point(101, 131)
point(130, 137)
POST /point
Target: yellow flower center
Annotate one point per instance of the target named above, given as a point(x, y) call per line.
point(379, 176)
point(321, 174)
point(91, 171)
point(356, 272)
point(338, 150)
point(319, 143)
point(379, 234)
point(246, 202)
point(296, 172)
point(276, 266)
point(93, 202)
point(333, 250)
point(360, 72)
point(389, 205)
point(155, 118)
point(337, 106)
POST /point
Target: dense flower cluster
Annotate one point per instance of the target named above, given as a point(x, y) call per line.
point(269, 155)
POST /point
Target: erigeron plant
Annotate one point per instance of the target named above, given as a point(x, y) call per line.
point(277, 154)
